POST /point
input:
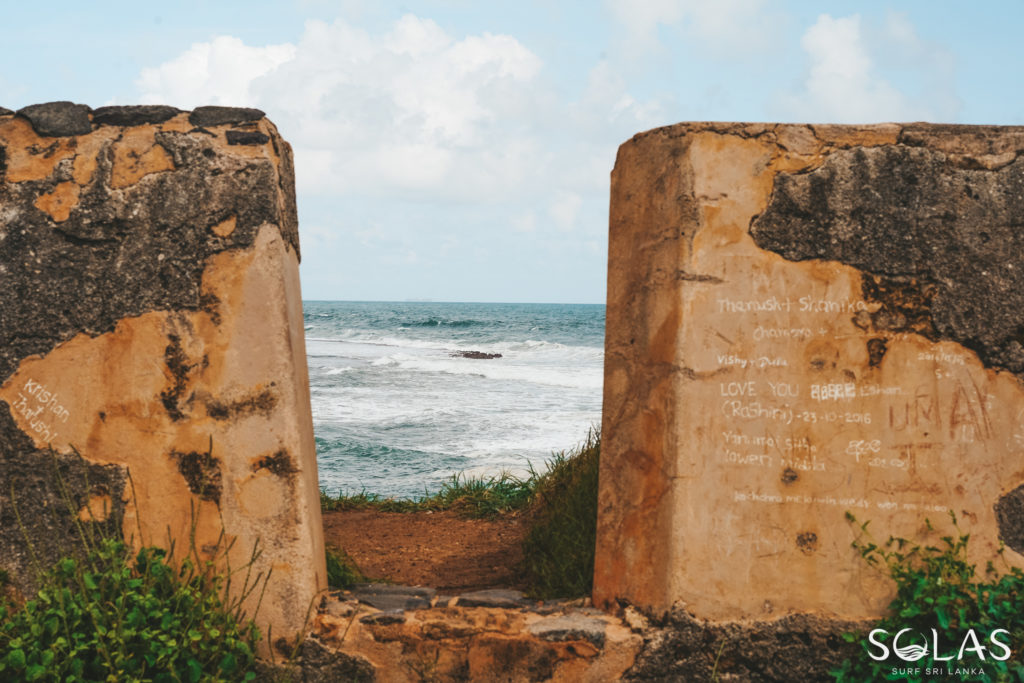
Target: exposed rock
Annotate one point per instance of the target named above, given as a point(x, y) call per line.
point(58, 119)
point(134, 115)
point(317, 663)
point(205, 117)
point(424, 592)
point(476, 355)
point(479, 643)
point(5, 112)
point(386, 617)
point(570, 627)
point(794, 648)
point(494, 597)
point(246, 137)
point(393, 597)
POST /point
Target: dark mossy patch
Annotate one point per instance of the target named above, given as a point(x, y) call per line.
point(941, 246)
point(201, 472)
point(133, 115)
point(876, 351)
point(246, 137)
point(58, 119)
point(1010, 518)
point(204, 117)
point(178, 367)
point(279, 463)
point(129, 251)
point(41, 494)
point(258, 403)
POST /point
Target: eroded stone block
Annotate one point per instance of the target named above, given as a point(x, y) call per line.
point(152, 360)
point(805, 321)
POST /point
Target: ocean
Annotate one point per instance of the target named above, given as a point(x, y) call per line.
point(397, 410)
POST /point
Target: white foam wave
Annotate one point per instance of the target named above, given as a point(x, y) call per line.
point(534, 349)
point(338, 371)
point(580, 377)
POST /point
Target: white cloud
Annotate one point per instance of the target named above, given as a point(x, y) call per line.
point(218, 72)
point(412, 111)
point(845, 84)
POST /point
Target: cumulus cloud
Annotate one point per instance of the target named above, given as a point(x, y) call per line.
point(414, 110)
point(218, 72)
point(845, 81)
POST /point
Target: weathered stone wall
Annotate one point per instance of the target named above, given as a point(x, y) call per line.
point(805, 321)
point(152, 359)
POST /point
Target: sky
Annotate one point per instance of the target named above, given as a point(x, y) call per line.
point(460, 150)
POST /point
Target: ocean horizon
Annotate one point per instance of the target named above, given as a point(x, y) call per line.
point(407, 393)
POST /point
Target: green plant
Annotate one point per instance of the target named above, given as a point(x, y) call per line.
point(342, 571)
point(116, 616)
point(937, 588)
point(471, 496)
point(559, 547)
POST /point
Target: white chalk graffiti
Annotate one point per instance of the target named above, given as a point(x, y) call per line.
point(41, 408)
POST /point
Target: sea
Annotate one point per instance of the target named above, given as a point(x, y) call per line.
point(399, 408)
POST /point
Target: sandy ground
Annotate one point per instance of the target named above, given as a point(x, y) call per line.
point(439, 549)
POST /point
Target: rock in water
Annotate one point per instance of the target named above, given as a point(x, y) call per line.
point(477, 355)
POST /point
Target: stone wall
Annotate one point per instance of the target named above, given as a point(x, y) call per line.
point(805, 321)
point(152, 361)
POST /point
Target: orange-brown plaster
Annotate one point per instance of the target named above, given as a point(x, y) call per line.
point(137, 155)
point(59, 203)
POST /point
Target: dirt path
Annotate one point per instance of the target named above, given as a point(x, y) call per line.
point(439, 549)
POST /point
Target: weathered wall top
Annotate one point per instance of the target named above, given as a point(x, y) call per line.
point(152, 327)
point(804, 321)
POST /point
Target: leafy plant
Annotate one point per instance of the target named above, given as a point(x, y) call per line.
point(937, 588)
point(559, 547)
point(115, 616)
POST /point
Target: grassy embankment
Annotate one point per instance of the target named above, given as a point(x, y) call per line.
point(559, 505)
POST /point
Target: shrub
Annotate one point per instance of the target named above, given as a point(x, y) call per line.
point(118, 617)
point(559, 547)
point(936, 588)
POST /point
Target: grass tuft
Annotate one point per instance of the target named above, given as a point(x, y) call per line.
point(559, 548)
point(472, 496)
point(342, 571)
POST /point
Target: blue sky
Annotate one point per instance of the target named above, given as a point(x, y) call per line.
point(460, 150)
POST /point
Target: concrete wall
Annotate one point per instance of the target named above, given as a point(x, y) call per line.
point(152, 360)
point(805, 321)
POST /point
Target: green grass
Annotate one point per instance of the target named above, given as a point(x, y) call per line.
point(559, 547)
point(342, 571)
point(471, 496)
